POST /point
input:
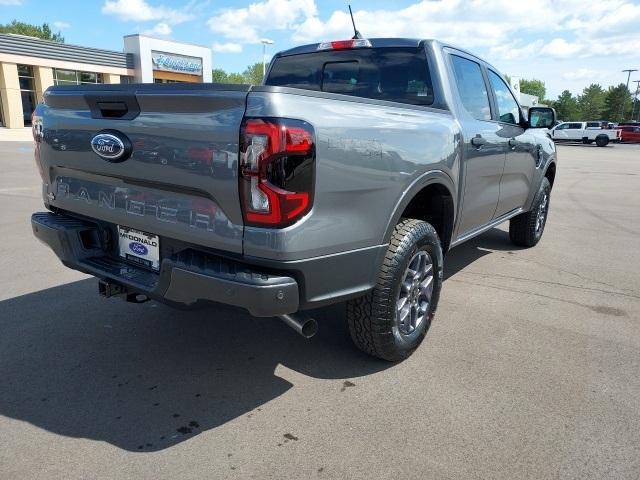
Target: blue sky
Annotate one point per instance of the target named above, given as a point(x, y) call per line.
point(566, 43)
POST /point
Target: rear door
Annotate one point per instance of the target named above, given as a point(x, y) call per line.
point(180, 179)
point(521, 157)
point(484, 146)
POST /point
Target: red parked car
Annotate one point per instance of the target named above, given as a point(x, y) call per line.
point(629, 133)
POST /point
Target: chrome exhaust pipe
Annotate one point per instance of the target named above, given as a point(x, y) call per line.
point(301, 323)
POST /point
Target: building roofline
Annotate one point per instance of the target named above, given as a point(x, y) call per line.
point(64, 45)
point(26, 46)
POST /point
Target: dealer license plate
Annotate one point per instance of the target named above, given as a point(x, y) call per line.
point(139, 247)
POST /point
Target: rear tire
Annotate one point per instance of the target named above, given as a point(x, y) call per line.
point(391, 321)
point(526, 229)
point(602, 140)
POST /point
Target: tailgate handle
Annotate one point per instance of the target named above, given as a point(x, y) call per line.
point(113, 109)
point(113, 105)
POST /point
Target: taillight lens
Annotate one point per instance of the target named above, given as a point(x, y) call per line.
point(36, 131)
point(277, 171)
point(345, 44)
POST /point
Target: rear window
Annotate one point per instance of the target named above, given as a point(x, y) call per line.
point(393, 74)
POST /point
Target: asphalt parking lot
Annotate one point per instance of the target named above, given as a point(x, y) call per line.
point(531, 369)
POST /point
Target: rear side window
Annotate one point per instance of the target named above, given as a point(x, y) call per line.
point(575, 126)
point(471, 87)
point(393, 74)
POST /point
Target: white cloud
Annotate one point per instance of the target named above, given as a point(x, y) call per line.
point(228, 47)
point(466, 23)
point(540, 39)
point(141, 11)
point(580, 74)
point(516, 50)
point(10, 3)
point(160, 29)
point(61, 25)
point(560, 48)
point(245, 24)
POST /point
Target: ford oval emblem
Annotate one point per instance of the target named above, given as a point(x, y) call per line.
point(111, 145)
point(138, 248)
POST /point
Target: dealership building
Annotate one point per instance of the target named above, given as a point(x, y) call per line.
point(28, 66)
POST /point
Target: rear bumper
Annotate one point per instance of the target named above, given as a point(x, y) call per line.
point(185, 278)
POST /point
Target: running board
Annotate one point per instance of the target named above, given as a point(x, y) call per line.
point(489, 226)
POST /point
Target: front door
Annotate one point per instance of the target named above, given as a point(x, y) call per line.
point(522, 149)
point(484, 149)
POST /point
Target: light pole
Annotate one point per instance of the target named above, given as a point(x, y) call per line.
point(265, 42)
point(624, 100)
point(635, 99)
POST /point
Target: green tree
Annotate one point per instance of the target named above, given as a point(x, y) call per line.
point(29, 30)
point(591, 102)
point(253, 74)
point(613, 100)
point(567, 107)
point(219, 76)
point(533, 87)
point(236, 78)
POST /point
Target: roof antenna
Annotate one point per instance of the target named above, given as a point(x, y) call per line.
point(355, 30)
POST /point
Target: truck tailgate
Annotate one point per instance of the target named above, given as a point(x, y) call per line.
point(181, 178)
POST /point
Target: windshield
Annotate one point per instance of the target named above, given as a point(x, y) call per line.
point(393, 74)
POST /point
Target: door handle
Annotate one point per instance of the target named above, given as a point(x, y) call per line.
point(478, 141)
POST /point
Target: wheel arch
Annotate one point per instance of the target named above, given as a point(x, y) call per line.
point(431, 198)
point(550, 172)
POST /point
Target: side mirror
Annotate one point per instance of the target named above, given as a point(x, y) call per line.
point(541, 117)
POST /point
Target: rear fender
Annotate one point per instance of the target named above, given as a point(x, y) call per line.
point(428, 178)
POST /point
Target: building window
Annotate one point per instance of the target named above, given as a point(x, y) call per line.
point(74, 77)
point(164, 80)
point(27, 92)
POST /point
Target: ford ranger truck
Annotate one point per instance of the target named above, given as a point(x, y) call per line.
point(344, 178)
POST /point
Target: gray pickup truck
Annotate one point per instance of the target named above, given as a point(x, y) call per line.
point(344, 178)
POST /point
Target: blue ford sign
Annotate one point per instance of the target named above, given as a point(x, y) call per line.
point(176, 63)
point(138, 248)
point(111, 145)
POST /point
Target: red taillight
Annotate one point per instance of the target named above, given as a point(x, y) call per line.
point(277, 163)
point(345, 44)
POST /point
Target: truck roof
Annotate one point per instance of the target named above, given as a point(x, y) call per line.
point(375, 42)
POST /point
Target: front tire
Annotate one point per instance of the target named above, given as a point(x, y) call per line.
point(391, 321)
point(526, 229)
